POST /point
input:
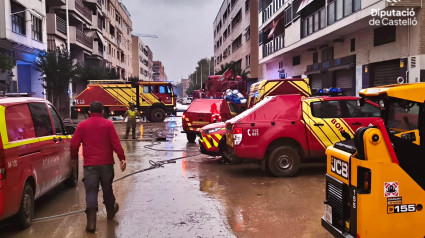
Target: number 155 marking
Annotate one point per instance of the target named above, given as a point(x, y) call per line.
point(402, 208)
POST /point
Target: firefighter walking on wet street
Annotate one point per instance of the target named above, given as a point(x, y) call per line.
point(99, 139)
point(131, 114)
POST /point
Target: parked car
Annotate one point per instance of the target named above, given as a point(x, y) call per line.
point(282, 130)
point(187, 100)
point(34, 155)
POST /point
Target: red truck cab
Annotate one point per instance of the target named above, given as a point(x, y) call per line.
point(281, 130)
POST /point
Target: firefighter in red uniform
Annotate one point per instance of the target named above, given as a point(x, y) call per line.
point(131, 113)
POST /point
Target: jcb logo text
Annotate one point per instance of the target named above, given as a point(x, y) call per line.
point(339, 167)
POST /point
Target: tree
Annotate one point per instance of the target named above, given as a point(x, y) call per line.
point(6, 62)
point(57, 69)
point(94, 70)
point(204, 67)
point(236, 69)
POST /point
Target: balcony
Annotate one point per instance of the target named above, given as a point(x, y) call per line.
point(332, 65)
point(271, 9)
point(273, 46)
point(57, 26)
point(86, 12)
point(79, 38)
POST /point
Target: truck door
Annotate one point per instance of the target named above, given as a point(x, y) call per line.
point(356, 116)
point(164, 94)
point(325, 124)
point(62, 144)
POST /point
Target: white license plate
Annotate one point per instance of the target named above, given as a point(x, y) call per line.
point(328, 213)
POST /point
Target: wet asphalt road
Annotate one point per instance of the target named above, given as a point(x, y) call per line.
point(194, 197)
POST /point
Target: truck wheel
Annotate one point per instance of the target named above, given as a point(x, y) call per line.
point(157, 115)
point(283, 161)
point(73, 179)
point(191, 137)
point(26, 210)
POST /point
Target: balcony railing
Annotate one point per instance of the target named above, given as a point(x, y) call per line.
point(334, 64)
point(83, 9)
point(273, 46)
point(83, 38)
point(61, 25)
point(272, 9)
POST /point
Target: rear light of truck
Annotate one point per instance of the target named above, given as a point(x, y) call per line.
point(237, 136)
point(2, 164)
point(364, 180)
point(79, 110)
point(183, 116)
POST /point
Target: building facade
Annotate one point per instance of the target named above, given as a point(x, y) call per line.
point(99, 30)
point(141, 59)
point(342, 43)
point(22, 37)
point(236, 36)
point(159, 71)
point(185, 85)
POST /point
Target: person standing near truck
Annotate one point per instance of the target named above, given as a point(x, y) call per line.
point(131, 113)
point(99, 139)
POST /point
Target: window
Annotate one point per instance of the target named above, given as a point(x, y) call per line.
point(36, 28)
point(288, 15)
point(147, 89)
point(18, 18)
point(233, 2)
point(315, 57)
point(237, 19)
point(348, 7)
point(339, 9)
point(237, 43)
point(331, 13)
point(280, 64)
point(384, 35)
point(296, 60)
point(353, 45)
point(247, 33)
point(326, 109)
point(19, 123)
point(247, 6)
point(368, 110)
point(57, 121)
point(41, 119)
point(248, 60)
point(327, 54)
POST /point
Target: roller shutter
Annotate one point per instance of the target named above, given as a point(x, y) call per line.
point(316, 81)
point(386, 72)
point(344, 78)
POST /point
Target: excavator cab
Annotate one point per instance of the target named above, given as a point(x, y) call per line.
point(375, 182)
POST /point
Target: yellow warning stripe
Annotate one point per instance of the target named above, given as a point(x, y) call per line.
point(218, 136)
point(302, 87)
point(110, 92)
point(214, 142)
point(123, 92)
point(271, 89)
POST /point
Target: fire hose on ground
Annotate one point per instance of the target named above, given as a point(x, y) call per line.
point(154, 165)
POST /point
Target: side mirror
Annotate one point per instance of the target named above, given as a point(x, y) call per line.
point(361, 102)
point(70, 130)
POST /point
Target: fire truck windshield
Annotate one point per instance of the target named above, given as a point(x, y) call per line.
point(403, 115)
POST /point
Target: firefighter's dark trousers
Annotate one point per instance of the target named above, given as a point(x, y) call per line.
point(131, 123)
point(95, 175)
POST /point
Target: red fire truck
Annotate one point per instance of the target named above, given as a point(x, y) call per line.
point(153, 99)
point(282, 130)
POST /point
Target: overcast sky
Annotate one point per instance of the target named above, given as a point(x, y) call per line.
point(184, 28)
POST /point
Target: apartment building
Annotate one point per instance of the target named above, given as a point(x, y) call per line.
point(22, 36)
point(236, 36)
point(159, 71)
point(142, 62)
point(185, 85)
point(99, 30)
point(349, 44)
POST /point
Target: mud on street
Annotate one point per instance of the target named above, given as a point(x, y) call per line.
point(195, 197)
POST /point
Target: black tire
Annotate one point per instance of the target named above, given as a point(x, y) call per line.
point(283, 161)
point(191, 137)
point(72, 181)
point(26, 209)
point(223, 148)
point(157, 115)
